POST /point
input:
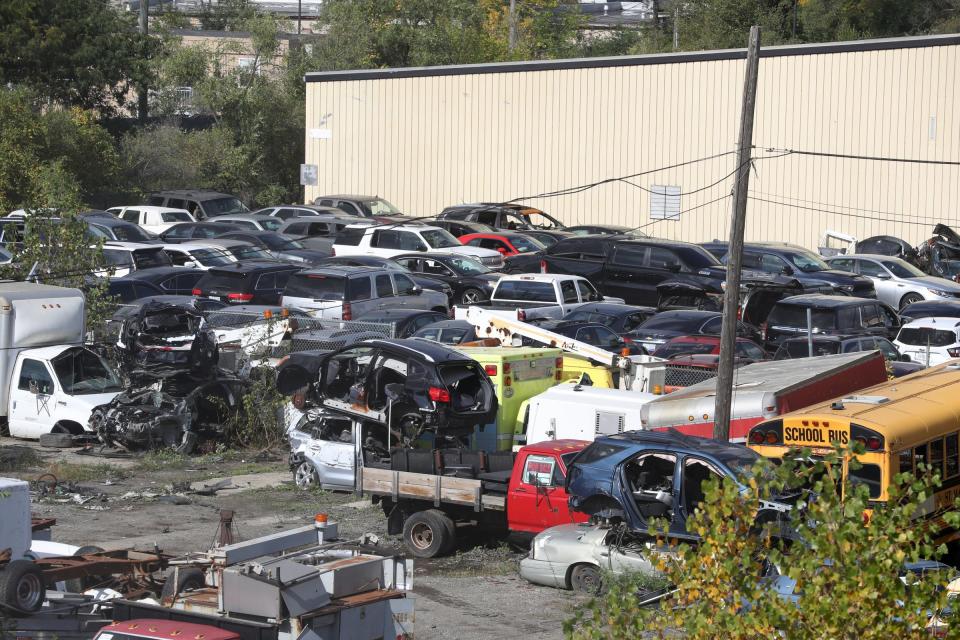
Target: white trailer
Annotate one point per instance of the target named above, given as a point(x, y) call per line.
point(49, 382)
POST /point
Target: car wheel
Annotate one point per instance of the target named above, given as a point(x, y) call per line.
point(910, 298)
point(56, 440)
point(22, 589)
point(305, 476)
point(471, 296)
point(586, 578)
point(188, 579)
point(427, 533)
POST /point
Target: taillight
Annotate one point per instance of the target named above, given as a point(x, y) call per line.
point(506, 368)
point(756, 437)
point(439, 395)
point(491, 369)
point(197, 292)
point(543, 266)
point(521, 315)
point(763, 331)
point(771, 437)
point(333, 251)
point(954, 352)
point(626, 339)
point(558, 363)
point(239, 297)
point(507, 381)
point(346, 313)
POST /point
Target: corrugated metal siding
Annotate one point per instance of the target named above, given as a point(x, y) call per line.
point(431, 141)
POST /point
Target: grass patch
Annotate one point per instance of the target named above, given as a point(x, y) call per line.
point(16, 458)
point(70, 472)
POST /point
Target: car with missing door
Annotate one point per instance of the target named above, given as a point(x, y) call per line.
point(509, 216)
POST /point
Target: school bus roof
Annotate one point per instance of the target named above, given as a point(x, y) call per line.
point(910, 409)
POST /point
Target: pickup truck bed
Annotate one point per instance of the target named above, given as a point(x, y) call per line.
point(407, 485)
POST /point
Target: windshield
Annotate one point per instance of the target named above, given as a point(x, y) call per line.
point(126, 233)
point(316, 287)
point(674, 349)
point(175, 216)
point(379, 207)
point(117, 258)
point(250, 253)
point(465, 266)
point(526, 245)
point(923, 336)
point(679, 323)
point(210, 258)
point(223, 206)
point(697, 257)
point(902, 269)
point(81, 371)
point(741, 462)
point(279, 243)
point(439, 238)
point(537, 219)
point(806, 261)
point(147, 258)
point(791, 315)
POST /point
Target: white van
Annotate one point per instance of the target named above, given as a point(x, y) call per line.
point(579, 412)
point(152, 219)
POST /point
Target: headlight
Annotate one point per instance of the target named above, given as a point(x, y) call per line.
point(939, 292)
point(845, 287)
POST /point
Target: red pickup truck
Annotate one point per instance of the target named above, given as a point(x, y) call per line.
point(426, 508)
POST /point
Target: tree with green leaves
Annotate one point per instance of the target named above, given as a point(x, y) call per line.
point(844, 557)
point(82, 53)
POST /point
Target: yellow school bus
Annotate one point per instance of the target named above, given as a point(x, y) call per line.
point(901, 423)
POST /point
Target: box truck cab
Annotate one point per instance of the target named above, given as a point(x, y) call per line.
point(578, 412)
point(49, 382)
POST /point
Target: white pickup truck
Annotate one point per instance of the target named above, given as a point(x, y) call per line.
point(49, 382)
point(540, 296)
point(389, 240)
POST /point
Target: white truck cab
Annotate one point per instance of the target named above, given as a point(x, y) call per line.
point(389, 240)
point(152, 218)
point(49, 382)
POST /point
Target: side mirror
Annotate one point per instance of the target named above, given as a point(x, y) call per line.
point(502, 251)
point(904, 358)
point(190, 264)
point(882, 276)
point(673, 268)
point(787, 271)
point(417, 290)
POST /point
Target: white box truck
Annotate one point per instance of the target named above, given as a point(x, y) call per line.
point(49, 382)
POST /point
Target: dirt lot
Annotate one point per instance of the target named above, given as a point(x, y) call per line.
point(139, 502)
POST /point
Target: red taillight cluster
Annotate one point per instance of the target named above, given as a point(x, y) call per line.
point(871, 443)
point(197, 292)
point(543, 266)
point(506, 368)
point(438, 394)
point(346, 313)
point(491, 369)
point(239, 297)
point(558, 369)
point(954, 352)
point(521, 315)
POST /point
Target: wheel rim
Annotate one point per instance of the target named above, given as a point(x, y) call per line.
point(29, 592)
point(910, 299)
point(471, 296)
point(304, 476)
point(588, 581)
point(421, 535)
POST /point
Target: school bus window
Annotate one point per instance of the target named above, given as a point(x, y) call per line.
point(869, 475)
point(919, 458)
point(953, 455)
point(936, 457)
point(905, 459)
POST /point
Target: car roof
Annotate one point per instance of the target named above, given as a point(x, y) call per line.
point(192, 193)
point(869, 256)
point(542, 277)
point(130, 246)
point(829, 338)
point(348, 196)
point(686, 313)
point(675, 440)
point(774, 246)
point(659, 242)
point(220, 243)
point(933, 322)
point(611, 308)
point(344, 270)
point(155, 273)
point(244, 216)
point(119, 222)
point(250, 266)
point(432, 351)
point(251, 232)
point(823, 300)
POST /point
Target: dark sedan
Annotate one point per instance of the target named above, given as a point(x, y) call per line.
point(195, 231)
point(281, 247)
point(547, 237)
point(119, 230)
point(595, 334)
point(470, 280)
point(175, 281)
point(667, 325)
point(433, 284)
point(619, 318)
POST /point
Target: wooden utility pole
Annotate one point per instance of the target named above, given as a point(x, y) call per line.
point(142, 97)
point(731, 295)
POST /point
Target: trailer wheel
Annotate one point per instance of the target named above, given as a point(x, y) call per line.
point(22, 588)
point(586, 578)
point(428, 534)
point(190, 578)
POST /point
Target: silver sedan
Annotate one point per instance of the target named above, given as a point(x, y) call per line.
point(898, 283)
point(575, 556)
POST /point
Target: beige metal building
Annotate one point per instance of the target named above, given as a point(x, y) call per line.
point(426, 138)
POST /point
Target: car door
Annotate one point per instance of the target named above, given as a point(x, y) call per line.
point(386, 297)
point(539, 500)
point(360, 295)
point(888, 289)
point(626, 276)
point(693, 471)
point(385, 243)
point(871, 319)
point(406, 292)
point(32, 403)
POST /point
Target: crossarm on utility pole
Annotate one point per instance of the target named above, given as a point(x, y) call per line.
point(731, 295)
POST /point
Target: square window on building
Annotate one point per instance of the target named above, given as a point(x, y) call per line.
point(664, 202)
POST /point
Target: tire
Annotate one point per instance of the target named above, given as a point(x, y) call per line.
point(427, 534)
point(910, 298)
point(79, 585)
point(586, 578)
point(305, 476)
point(189, 578)
point(471, 296)
point(56, 440)
point(407, 420)
point(22, 588)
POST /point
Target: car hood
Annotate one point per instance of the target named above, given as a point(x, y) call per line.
point(936, 283)
point(832, 275)
point(92, 400)
point(307, 255)
point(472, 251)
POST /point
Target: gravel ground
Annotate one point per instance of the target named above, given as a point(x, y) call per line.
point(134, 502)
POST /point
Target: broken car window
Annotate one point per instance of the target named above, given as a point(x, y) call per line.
point(82, 371)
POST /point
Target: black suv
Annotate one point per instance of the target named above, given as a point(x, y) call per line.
point(829, 345)
point(246, 282)
point(829, 315)
point(626, 267)
point(806, 267)
point(201, 203)
point(426, 386)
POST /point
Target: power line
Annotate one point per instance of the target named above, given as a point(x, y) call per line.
point(679, 213)
point(933, 220)
point(852, 156)
point(839, 213)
